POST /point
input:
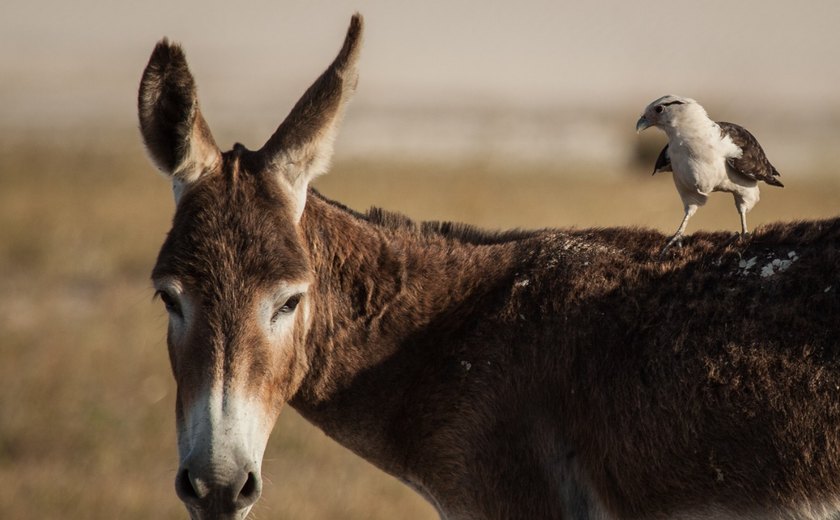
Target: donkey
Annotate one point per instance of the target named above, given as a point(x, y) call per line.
point(551, 374)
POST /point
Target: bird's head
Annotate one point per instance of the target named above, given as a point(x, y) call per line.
point(665, 112)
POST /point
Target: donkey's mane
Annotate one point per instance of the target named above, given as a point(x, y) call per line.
point(457, 231)
point(790, 233)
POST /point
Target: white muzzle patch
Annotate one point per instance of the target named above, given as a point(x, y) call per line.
point(224, 428)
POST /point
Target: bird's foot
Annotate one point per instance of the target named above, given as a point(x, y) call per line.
point(675, 240)
point(738, 238)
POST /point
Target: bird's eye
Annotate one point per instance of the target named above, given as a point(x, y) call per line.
point(658, 109)
point(288, 307)
point(171, 304)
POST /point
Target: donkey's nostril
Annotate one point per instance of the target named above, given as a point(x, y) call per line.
point(184, 487)
point(250, 491)
point(233, 492)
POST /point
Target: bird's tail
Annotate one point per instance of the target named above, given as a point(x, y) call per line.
point(773, 179)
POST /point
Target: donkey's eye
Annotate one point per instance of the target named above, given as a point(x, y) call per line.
point(169, 302)
point(288, 306)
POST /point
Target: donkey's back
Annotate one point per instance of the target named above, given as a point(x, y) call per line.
point(704, 386)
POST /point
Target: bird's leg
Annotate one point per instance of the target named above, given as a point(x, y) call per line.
point(743, 213)
point(744, 233)
point(677, 238)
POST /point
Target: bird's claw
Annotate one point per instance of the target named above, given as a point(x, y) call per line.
point(737, 238)
point(675, 240)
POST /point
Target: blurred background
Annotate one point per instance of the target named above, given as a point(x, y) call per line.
point(501, 114)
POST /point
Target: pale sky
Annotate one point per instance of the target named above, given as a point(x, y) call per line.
point(79, 62)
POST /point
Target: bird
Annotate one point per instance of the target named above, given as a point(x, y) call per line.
point(707, 156)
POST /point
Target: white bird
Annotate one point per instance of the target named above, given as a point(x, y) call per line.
point(707, 156)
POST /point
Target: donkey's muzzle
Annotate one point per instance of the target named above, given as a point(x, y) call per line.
point(212, 492)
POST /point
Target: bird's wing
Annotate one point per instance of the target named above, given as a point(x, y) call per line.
point(663, 162)
point(752, 164)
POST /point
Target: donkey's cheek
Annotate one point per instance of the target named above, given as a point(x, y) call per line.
point(277, 377)
point(278, 385)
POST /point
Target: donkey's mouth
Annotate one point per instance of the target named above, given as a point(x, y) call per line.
point(196, 514)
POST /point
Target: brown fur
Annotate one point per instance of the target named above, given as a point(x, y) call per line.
point(524, 374)
point(659, 379)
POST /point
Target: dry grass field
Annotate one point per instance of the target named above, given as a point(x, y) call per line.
point(86, 396)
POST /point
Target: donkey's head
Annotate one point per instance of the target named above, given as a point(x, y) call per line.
point(233, 272)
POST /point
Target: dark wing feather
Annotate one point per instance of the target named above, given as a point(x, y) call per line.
point(752, 164)
point(663, 162)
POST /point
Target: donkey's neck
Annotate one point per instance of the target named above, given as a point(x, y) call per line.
point(388, 305)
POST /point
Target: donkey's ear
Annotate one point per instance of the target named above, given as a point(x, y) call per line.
point(302, 146)
point(176, 135)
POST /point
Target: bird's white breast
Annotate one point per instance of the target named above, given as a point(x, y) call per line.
point(698, 154)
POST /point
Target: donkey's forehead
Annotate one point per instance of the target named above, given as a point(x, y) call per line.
point(233, 225)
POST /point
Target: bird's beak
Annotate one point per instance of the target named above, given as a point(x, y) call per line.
point(642, 123)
